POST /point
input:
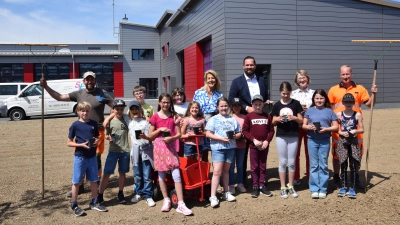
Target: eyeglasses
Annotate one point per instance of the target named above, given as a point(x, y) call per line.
point(139, 93)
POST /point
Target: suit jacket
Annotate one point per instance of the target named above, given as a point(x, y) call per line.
point(240, 89)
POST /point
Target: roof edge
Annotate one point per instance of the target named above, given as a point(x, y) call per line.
point(185, 8)
point(164, 18)
point(136, 24)
point(384, 3)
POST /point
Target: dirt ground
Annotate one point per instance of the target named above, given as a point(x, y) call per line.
point(21, 184)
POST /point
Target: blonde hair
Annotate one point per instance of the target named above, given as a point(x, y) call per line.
point(302, 73)
point(83, 105)
point(217, 80)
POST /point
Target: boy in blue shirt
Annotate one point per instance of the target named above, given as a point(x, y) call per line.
point(83, 136)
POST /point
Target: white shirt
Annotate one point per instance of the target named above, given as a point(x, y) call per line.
point(303, 96)
point(254, 88)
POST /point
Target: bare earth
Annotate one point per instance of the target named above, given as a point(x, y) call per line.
point(21, 199)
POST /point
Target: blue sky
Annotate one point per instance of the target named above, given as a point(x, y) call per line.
point(74, 21)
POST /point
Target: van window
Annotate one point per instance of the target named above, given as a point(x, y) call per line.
point(23, 86)
point(9, 89)
point(33, 90)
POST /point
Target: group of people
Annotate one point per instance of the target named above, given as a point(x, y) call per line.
point(233, 127)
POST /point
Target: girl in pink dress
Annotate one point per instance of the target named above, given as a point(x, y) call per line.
point(164, 126)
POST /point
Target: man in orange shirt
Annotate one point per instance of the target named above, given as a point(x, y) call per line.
point(335, 96)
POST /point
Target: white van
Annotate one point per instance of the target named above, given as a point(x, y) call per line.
point(10, 89)
point(28, 102)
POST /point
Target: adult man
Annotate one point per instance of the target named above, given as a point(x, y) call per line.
point(97, 98)
point(335, 96)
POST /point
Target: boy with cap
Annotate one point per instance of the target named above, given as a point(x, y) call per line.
point(118, 152)
point(259, 131)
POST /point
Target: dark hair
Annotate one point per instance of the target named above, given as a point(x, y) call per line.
point(323, 94)
point(199, 114)
point(179, 91)
point(242, 111)
point(223, 99)
point(171, 106)
point(249, 57)
point(285, 86)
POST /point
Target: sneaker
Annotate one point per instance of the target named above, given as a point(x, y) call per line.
point(314, 195)
point(214, 201)
point(322, 195)
point(150, 202)
point(228, 197)
point(342, 192)
point(351, 193)
point(293, 192)
point(336, 181)
point(121, 198)
point(98, 207)
point(184, 210)
point(241, 188)
point(283, 193)
point(265, 191)
point(136, 198)
point(166, 205)
point(255, 193)
point(232, 189)
point(78, 211)
point(100, 198)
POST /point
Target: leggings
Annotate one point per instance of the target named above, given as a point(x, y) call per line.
point(343, 169)
point(176, 175)
point(287, 150)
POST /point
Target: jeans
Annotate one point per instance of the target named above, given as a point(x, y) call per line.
point(238, 160)
point(143, 174)
point(318, 151)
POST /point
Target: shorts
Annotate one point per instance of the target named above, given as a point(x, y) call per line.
point(123, 159)
point(190, 150)
point(84, 166)
point(223, 155)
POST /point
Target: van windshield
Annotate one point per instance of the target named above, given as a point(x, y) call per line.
point(33, 90)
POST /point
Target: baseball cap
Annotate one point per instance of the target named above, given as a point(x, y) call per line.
point(119, 102)
point(236, 101)
point(348, 98)
point(257, 97)
point(134, 103)
point(89, 73)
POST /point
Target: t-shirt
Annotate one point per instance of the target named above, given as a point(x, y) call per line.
point(219, 125)
point(208, 105)
point(137, 124)
point(82, 131)
point(169, 122)
point(97, 99)
point(240, 143)
point(148, 110)
point(290, 128)
point(191, 123)
point(258, 126)
point(337, 92)
point(325, 116)
point(119, 132)
point(181, 109)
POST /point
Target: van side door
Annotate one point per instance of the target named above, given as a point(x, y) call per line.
point(31, 100)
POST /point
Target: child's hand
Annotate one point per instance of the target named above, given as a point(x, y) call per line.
point(311, 127)
point(96, 140)
point(224, 140)
point(85, 145)
point(344, 133)
point(323, 130)
point(108, 138)
point(167, 139)
point(257, 142)
point(353, 132)
point(265, 144)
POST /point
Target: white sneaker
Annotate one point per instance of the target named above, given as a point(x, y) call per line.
point(150, 202)
point(232, 189)
point(136, 198)
point(241, 188)
point(322, 195)
point(228, 196)
point(314, 195)
point(214, 201)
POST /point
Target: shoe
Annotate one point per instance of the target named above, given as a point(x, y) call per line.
point(265, 191)
point(342, 192)
point(228, 197)
point(293, 192)
point(336, 181)
point(98, 207)
point(100, 198)
point(358, 183)
point(121, 198)
point(214, 201)
point(136, 198)
point(322, 195)
point(232, 189)
point(241, 188)
point(184, 210)
point(315, 195)
point(255, 193)
point(78, 211)
point(166, 205)
point(351, 193)
point(283, 193)
point(150, 202)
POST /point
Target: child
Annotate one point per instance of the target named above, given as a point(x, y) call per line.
point(166, 131)
point(139, 92)
point(118, 152)
point(179, 97)
point(348, 148)
point(319, 122)
point(223, 148)
point(287, 117)
point(240, 150)
point(80, 134)
point(193, 119)
point(258, 129)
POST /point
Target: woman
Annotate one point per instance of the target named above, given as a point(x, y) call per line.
point(207, 97)
point(304, 95)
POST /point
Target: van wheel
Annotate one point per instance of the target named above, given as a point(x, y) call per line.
point(17, 114)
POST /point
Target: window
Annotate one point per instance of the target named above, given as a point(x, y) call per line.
point(33, 90)
point(52, 71)
point(165, 50)
point(11, 72)
point(151, 85)
point(9, 89)
point(207, 54)
point(104, 74)
point(142, 54)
